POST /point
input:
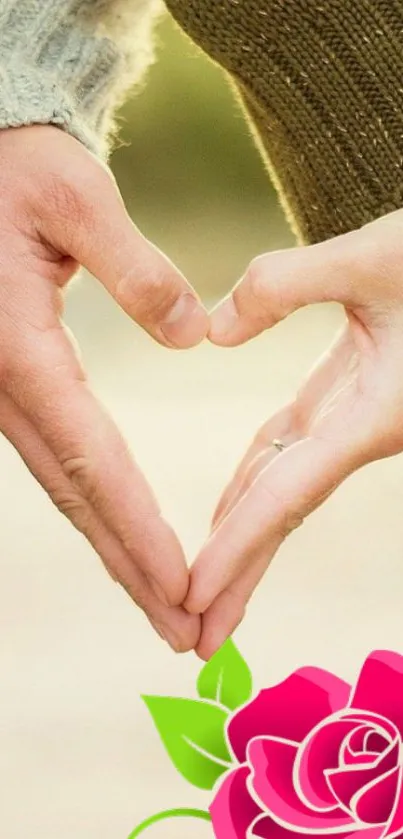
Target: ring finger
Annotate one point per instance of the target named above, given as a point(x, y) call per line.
point(277, 427)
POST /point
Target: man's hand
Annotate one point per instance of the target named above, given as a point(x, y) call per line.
point(60, 208)
point(349, 411)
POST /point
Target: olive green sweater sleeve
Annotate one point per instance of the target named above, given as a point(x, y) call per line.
point(323, 85)
point(70, 63)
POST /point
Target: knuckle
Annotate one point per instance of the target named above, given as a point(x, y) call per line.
point(257, 280)
point(279, 305)
point(72, 506)
point(68, 198)
point(288, 515)
point(146, 294)
point(65, 196)
point(293, 519)
point(137, 538)
point(265, 290)
point(78, 470)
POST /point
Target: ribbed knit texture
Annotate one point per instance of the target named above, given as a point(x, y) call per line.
point(70, 62)
point(323, 83)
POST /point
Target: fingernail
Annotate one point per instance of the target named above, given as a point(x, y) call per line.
point(186, 323)
point(173, 640)
point(165, 632)
point(159, 630)
point(223, 318)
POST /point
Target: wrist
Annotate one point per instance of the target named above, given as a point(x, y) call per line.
point(67, 63)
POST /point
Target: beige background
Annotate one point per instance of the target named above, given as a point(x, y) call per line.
point(79, 756)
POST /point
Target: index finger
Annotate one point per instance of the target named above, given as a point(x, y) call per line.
point(83, 215)
point(277, 502)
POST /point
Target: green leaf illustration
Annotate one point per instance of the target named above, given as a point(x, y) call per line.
point(226, 678)
point(192, 732)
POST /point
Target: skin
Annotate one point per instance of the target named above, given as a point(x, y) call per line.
point(60, 208)
point(347, 413)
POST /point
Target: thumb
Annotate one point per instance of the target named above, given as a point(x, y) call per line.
point(277, 284)
point(86, 219)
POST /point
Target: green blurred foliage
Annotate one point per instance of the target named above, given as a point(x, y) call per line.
point(189, 170)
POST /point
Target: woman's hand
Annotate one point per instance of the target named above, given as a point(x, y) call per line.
point(349, 411)
point(60, 208)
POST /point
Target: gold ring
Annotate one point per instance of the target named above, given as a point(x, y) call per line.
point(279, 445)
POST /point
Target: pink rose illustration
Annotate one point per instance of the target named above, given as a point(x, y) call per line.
point(314, 757)
point(311, 756)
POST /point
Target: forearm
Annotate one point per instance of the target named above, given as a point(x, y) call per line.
point(70, 62)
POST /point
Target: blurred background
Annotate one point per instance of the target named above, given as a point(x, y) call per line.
point(78, 754)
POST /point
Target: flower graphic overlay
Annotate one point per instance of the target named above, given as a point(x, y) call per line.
point(311, 756)
point(314, 757)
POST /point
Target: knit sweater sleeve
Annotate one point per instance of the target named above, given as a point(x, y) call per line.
point(322, 82)
point(71, 62)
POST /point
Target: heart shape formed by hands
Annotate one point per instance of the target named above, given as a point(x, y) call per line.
point(349, 412)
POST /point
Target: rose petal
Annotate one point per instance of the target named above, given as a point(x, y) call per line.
point(368, 723)
point(375, 805)
point(348, 780)
point(233, 809)
point(373, 722)
point(353, 746)
point(380, 687)
point(272, 762)
point(321, 752)
point(375, 742)
point(361, 758)
point(265, 828)
point(395, 827)
point(289, 710)
point(356, 743)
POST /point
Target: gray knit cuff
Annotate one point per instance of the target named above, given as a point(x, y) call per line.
point(58, 67)
point(29, 96)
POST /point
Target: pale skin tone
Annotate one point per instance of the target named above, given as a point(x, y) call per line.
point(60, 208)
point(348, 412)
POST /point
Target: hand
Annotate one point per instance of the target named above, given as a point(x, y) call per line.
point(60, 208)
point(349, 411)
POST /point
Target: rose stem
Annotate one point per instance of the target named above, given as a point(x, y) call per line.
point(170, 814)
